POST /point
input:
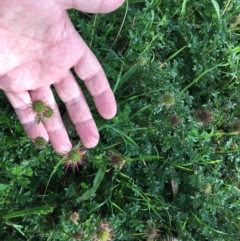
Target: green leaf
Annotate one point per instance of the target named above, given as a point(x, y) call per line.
point(37, 210)
point(206, 225)
point(143, 158)
point(201, 75)
point(125, 77)
point(3, 187)
point(123, 135)
point(17, 227)
point(141, 110)
point(145, 198)
point(96, 183)
point(235, 50)
point(184, 7)
point(216, 7)
point(116, 206)
point(174, 54)
point(54, 170)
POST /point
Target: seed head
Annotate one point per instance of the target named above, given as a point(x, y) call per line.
point(116, 160)
point(41, 110)
point(167, 100)
point(48, 112)
point(236, 125)
point(39, 142)
point(74, 217)
point(170, 239)
point(152, 233)
point(141, 61)
point(38, 106)
point(104, 233)
point(175, 120)
point(78, 235)
point(204, 116)
point(74, 158)
point(236, 21)
point(207, 188)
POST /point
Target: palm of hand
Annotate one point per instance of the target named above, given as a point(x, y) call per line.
point(38, 48)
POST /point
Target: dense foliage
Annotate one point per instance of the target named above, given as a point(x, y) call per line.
point(168, 164)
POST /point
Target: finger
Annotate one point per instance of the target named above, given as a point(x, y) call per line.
point(78, 110)
point(21, 102)
point(90, 71)
point(93, 6)
point(54, 126)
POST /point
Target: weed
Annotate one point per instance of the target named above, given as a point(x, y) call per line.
point(48, 112)
point(104, 233)
point(74, 158)
point(175, 120)
point(152, 233)
point(38, 106)
point(163, 60)
point(74, 217)
point(42, 110)
point(141, 61)
point(167, 100)
point(204, 116)
point(39, 142)
point(116, 160)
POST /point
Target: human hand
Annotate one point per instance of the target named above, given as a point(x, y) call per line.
point(38, 46)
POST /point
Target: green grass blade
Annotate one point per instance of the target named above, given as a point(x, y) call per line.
point(200, 76)
point(141, 110)
point(123, 135)
point(213, 162)
point(17, 227)
point(143, 158)
point(118, 80)
point(146, 199)
point(96, 183)
point(125, 176)
point(37, 210)
point(235, 50)
point(54, 170)
point(125, 77)
point(216, 7)
point(183, 11)
point(116, 206)
point(121, 27)
point(97, 207)
point(128, 74)
point(182, 167)
point(206, 225)
point(175, 54)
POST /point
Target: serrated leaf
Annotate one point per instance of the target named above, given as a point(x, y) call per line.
point(3, 187)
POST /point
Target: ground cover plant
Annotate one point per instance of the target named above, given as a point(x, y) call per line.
point(167, 166)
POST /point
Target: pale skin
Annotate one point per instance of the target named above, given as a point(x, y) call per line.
point(38, 46)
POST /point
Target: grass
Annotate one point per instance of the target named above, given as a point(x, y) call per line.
point(178, 181)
